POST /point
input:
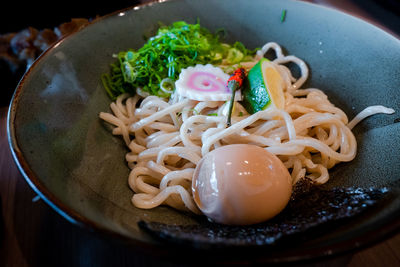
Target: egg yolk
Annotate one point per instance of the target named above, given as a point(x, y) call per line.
point(241, 184)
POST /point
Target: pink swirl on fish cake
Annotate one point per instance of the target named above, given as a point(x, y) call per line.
point(207, 82)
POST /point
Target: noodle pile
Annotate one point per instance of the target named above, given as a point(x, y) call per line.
point(167, 138)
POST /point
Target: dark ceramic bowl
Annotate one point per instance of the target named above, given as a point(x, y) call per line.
point(71, 160)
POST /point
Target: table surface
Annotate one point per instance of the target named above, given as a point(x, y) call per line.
point(33, 234)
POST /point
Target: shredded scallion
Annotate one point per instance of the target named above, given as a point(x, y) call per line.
point(283, 15)
point(172, 49)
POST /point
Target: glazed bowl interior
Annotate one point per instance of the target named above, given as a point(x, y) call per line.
point(69, 156)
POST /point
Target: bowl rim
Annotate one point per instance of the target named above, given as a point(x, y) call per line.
point(367, 239)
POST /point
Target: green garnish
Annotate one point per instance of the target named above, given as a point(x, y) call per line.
point(212, 114)
point(172, 49)
point(195, 112)
point(283, 15)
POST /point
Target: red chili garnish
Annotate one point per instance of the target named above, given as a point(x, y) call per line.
point(239, 75)
point(235, 82)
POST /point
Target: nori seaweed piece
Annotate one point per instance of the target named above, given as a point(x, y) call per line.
point(309, 208)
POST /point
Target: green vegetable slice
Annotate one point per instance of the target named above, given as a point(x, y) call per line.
point(263, 88)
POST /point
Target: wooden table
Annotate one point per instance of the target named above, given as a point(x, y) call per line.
point(32, 234)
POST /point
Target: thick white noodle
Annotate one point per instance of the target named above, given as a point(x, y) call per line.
point(369, 111)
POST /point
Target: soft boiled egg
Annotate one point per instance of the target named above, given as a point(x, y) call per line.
point(241, 184)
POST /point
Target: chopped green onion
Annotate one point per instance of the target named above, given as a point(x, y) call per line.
point(167, 85)
point(172, 49)
point(195, 111)
point(283, 15)
point(234, 56)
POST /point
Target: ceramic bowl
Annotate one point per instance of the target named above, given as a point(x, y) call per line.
point(72, 161)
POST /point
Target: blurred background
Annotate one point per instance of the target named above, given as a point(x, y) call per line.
point(21, 14)
point(28, 27)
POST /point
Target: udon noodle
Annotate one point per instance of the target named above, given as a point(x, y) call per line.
point(167, 138)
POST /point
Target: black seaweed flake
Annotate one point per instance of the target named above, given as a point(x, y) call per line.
point(309, 208)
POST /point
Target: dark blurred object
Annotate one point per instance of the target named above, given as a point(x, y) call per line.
point(390, 4)
point(29, 43)
point(19, 50)
point(11, 69)
point(69, 27)
point(27, 29)
point(18, 15)
point(386, 12)
point(382, 13)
